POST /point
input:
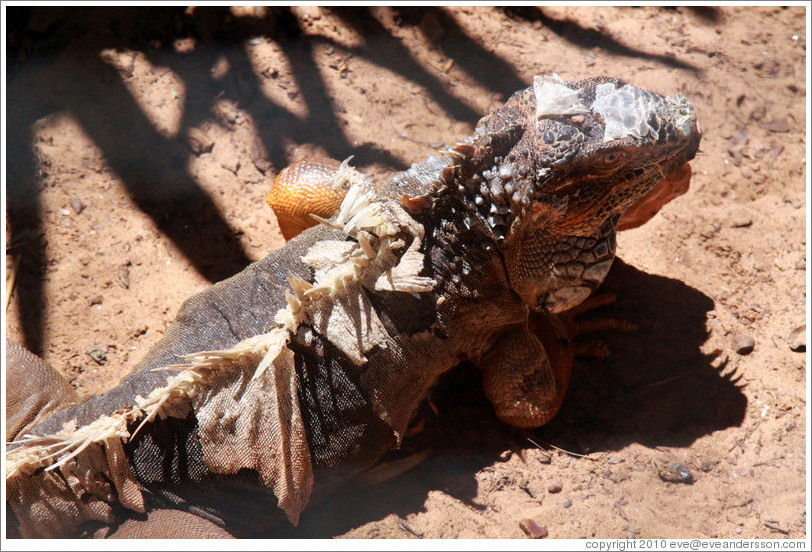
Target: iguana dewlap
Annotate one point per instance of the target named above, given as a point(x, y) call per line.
point(288, 378)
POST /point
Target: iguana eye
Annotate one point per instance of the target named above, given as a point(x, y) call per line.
point(612, 158)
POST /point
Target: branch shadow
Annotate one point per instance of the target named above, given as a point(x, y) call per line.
point(604, 407)
point(62, 47)
point(657, 389)
point(583, 37)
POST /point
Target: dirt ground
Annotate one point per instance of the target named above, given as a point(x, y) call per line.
point(141, 144)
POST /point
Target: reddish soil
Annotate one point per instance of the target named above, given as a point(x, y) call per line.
point(141, 143)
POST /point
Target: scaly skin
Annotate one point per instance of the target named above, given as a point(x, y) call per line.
point(265, 393)
point(526, 386)
point(304, 189)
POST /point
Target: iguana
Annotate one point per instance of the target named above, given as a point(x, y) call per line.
point(280, 383)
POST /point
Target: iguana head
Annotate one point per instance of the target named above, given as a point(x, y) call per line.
point(569, 159)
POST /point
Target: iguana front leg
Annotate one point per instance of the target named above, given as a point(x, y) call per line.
point(527, 371)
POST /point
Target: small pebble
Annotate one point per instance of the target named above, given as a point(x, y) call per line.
point(77, 205)
point(98, 354)
point(676, 473)
point(535, 490)
point(545, 458)
point(743, 344)
point(567, 504)
point(199, 142)
point(741, 221)
point(795, 201)
point(555, 487)
point(533, 529)
point(797, 339)
point(124, 274)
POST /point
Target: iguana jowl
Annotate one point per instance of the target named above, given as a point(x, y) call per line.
point(267, 389)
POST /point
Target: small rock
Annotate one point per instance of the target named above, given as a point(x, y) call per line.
point(535, 490)
point(743, 344)
point(533, 529)
point(77, 205)
point(555, 487)
point(778, 125)
point(124, 274)
point(741, 221)
point(795, 201)
point(99, 355)
point(505, 455)
point(567, 504)
point(676, 473)
point(797, 339)
point(259, 156)
point(199, 142)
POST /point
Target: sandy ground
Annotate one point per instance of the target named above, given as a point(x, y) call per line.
point(141, 144)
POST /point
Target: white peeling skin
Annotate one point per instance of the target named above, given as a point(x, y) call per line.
point(625, 112)
point(553, 97)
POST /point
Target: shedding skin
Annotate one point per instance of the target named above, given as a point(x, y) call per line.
point(488, 251)
point(527, 371)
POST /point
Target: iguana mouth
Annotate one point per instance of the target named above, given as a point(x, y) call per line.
point(674, 184)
